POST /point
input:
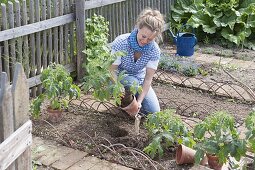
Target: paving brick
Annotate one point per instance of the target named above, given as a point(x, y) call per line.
point(85, 164)
point(105, 165)
point(69, 160)
point(54, 155)
point(41, 150)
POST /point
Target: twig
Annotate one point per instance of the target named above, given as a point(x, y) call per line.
point(93, 142)
point(60, 136)
point(115, 152)
point(138, 152)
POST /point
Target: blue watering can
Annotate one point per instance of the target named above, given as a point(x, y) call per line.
point(185, 42)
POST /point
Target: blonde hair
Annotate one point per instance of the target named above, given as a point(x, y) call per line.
point(151, 19)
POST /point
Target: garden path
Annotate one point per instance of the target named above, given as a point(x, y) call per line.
point(52, 156)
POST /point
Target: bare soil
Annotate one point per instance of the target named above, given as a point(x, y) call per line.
point(102, 133)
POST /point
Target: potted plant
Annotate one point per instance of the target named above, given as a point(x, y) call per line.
point(58, 89)
point(218, 138)
point(168, 130)
point(99, 78)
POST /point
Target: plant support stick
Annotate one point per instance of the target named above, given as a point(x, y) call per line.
point(137, 123)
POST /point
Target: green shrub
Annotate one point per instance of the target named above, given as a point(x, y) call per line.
point(58, 89)
point(230, 21)
point(166, 129)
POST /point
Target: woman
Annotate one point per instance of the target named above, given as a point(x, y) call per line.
point(141, 58)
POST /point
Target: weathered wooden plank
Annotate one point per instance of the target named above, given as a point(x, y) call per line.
point(32, 46)
point(80, 29)
point(6, 111)
point(44, 43)
point(61, 36)
point(38, 45)
point(6, 57)
point(66, 28)
point(50, 57)
point(124, 16)
point(1, 64)
point(18, 24)
point(55, 33)
point(20, 94)
point(15, 145)
point(12, 41)
point(99, 3)
point(25, 39)
point(71, 37)
point(36, 27)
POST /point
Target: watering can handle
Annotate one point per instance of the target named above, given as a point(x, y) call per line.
point(185, 25)
point(195, 41)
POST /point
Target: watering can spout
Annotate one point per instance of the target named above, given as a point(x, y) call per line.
point(172, 35)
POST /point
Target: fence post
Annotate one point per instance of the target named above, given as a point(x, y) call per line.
point(6, 111)
point(80, 31)
point(20, 93)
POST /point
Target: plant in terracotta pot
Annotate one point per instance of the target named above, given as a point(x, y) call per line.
point(218, 138)
point(58, 90)
point(105, 86)
point(166, 129)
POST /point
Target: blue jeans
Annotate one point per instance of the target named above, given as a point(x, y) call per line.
point(150, 102)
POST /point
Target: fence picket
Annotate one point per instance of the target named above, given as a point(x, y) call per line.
point(38, 44)
point(6, 111)
point(25, 39)
point(6, 58)
point(44, 37)
point(20, 93)
point(66, 29)
point(61, 36)
point(12, 41)
point(32, 45)
point(18, 23)
point(55, 33)
point(71, 40)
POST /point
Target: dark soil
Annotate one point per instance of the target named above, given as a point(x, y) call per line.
point(102, 133)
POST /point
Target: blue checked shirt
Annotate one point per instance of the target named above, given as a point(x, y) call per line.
point(137, 69)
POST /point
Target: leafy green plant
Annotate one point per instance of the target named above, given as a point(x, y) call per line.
point(166, 129)
point(250, 133)
point(230, 20)
point(58, 89)
point(190, 70)
point(99, 59)
point(217, 135)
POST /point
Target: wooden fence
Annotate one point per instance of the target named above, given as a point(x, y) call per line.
point(38, 32)
point(15, 126)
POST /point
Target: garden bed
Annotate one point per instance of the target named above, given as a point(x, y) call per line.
point(103, 130)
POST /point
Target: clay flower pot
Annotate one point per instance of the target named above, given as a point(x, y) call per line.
point(186, 155)
point(54, 116)
point(131, 109)
point(213, 162)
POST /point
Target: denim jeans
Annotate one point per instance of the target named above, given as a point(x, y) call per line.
point(150, 102)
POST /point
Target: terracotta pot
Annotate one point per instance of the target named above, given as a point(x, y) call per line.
point(213, 162)
point(131, 109)
point(54, 115)
point(186, 155)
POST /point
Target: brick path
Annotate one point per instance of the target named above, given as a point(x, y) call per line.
point(52, 156)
